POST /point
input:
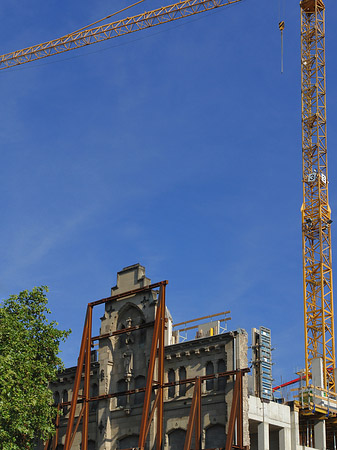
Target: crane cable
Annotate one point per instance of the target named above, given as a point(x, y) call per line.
point(104, 18)
point(281, 28)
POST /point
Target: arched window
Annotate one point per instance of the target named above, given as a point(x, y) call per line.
point(222, 381)
point(182, 376)
point(129, 441)
point(176, 439)
point(139, 383)
point(129, 316)
point(171, 377)
point(64, 396)
point(64, 400)
point(56, 396)
point(121, 387)
point(216, 436)
point(209, 371)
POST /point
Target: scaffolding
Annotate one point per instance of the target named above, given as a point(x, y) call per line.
point(153, 401)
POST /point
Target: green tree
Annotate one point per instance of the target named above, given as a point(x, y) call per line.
point(29, 347)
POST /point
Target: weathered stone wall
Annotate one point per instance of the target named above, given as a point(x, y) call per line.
point(122, 365)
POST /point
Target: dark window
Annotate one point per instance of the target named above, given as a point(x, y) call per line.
point(176, 439)
point(182, 376)
point(139, 383)
point(128, 441)
point(171, 377)
point(56, 396)
point(94, 393)
point(222, 381)
point(142, 336)
point(216, 436)
point(121, 387)
point(209, 371)
point(64, 400)
point(121, 337)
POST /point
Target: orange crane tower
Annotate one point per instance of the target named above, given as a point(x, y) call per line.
point(316, 213)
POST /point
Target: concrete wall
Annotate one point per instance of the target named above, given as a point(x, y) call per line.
point(273, 426)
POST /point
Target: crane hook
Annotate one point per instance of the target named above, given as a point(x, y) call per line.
point(281, 28)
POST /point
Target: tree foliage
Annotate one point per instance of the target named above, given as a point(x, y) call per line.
point(29, 347)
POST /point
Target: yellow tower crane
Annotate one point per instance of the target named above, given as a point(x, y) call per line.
point(316, 213)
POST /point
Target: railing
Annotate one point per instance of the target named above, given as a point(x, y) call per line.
point(317, 399)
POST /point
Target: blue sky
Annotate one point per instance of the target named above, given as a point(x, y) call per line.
point(177, 147)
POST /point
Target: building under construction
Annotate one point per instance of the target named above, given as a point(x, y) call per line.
point(144, 385)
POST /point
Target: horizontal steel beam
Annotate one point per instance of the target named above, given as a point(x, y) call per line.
point(128, 293)
point(165, 385)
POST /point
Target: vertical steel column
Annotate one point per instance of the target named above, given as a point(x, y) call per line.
point(234, 412)
point(86, 390)
point(239, 416)
point(70, 424)
point(160, 407)
point(194, 420)
point(56, 436)
point(157, 338)
point(57, 425)
point(198, 416)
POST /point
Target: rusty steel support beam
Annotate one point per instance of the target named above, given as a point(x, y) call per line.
point(129, 293)
point(165, 385)
point(152, 415)
point(238, 406)
point(239, 418)
point(84, 345)
point(160, 408)
point(55, 438)
point(57, 425)
point(157, 348)
point(85, 358)
point(198, 416)
point(124, 330)
point(194, 420)
point(236, 416)
point(156, 363)
point(76, 427)
point(86, 390)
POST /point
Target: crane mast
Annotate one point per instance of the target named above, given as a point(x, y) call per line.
point(316, 213)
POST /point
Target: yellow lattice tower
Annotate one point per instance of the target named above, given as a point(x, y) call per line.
point(316, 213)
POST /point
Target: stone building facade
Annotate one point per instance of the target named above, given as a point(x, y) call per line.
point(120, 365)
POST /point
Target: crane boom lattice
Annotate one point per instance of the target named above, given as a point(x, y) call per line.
point(111, 30)
point(316, 213)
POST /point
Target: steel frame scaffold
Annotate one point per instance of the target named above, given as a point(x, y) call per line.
point(316, 213)
point(154, 399)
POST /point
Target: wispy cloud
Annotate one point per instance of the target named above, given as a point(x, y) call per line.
point(32, 245)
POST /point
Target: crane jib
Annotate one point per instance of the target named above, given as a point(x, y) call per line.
point(111, 30)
